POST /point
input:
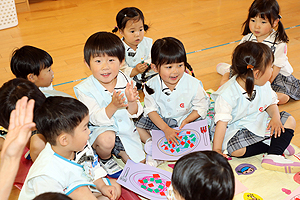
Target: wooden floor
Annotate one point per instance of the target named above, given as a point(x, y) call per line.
point(61, 27)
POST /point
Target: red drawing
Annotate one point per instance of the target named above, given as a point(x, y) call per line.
point(181, 105)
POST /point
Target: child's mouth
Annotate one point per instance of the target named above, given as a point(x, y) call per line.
point(173, 77)
point(105, 75)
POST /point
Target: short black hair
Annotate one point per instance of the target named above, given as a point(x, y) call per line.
point(59, 114)
point(12, 91)
point(203, 175)
point(29, 60)
point(102, 43)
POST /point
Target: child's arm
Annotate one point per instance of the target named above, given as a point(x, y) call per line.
point(132, 96)
point(275, 124)
point(219, 137)
point(190, 118)
point(107, 190)
point(274, 73)
point(139, 68)
point(170, 133)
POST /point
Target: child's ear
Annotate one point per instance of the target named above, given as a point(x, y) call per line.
point(122, 63)
point(88, 66)
point(121, 32)
point(31, 77)
point(63, 139)
point(275, 23)
point(153, 67)
point(256, 74)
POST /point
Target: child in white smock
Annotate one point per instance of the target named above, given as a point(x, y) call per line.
point(172, 98)
point(112, 100)
point(243, 106)
point(264, 25)
point(132, 27)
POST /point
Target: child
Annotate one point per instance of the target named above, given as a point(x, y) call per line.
point(67, 164)
point(173, 98)
point(202, 175)
point(10, 93)
point(112, 101)
point(243, 105)
point(52, 196)
point(34, 64)
point(262, 19)
point(131, 25)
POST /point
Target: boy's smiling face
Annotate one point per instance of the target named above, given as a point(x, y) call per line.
point(105, 69)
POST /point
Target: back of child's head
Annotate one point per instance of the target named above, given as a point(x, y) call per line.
point(52, 196)
point(249, 56)
point(59, 115)
point(268, 10)
point(12, 91)
point(203, 175)
point(102, 43)
point(126, 14)
point(29, 60)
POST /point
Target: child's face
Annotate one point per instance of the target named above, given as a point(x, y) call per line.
point(171, 73)
point(261, 79)
point(80, 135)
point(44, 79)
point(105, 69)
point(133, 33)
point(260, 27)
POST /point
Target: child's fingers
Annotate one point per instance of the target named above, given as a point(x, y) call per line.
point(29, 111)
point(12, 118)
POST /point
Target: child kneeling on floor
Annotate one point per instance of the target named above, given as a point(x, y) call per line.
point(246, 109)
point(68, 164)
point(202, 175)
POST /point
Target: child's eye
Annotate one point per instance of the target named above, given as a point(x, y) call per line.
point(263, 22)
point(252, 20)
point(111, 60)
point(97, 61)
point(141, 29)
point(181, 65)
point(131, 31)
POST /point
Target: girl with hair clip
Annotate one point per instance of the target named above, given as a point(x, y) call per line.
point(132, 27)
point(173, 98)
point(264, 25)
point(247, 118)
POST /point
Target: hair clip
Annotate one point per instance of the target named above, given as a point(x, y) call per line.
point(144, 83)
point(279, 16)
point(125, 15)
point(250, 67)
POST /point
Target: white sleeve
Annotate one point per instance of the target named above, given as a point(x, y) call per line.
point(201, 102)
point(97, 114)
point(223, 110)
point(42, 184)
point(280, 55)
point(274, 98)
point(150, 104)
point(126, 69)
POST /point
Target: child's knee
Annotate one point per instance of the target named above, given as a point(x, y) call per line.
point(290, 123)
point(283, 98)
point(106, 140)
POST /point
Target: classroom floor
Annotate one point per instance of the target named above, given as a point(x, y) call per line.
point(209, 29)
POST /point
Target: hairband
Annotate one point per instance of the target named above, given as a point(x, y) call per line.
point(250, 67)
point(279, 16)
point(125, 15)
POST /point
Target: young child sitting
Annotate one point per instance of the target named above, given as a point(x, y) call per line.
point(173, 98)
point(67, 164)
point(10, 93)
point(112, 100)
point(247, 118)
point(202, 175)
point(34, 64)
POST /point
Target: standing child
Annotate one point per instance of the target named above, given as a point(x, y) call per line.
point(68, 164)
point(132, 27)
point(202, 175)
point(10, 93)
point(34, 64)
point(264, 25)
point(112, 100)
point(173, 98)
point(244, 104)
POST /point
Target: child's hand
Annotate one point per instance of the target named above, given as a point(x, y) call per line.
point(141, 67)
point(183, 123)
point(109, 191)
point(131, 92)
point(276, 127)
point(118, 99)
point(171, 135)
point(219, 151)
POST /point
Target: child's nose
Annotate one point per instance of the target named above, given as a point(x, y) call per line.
point(105, 65)
point(256, 25)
